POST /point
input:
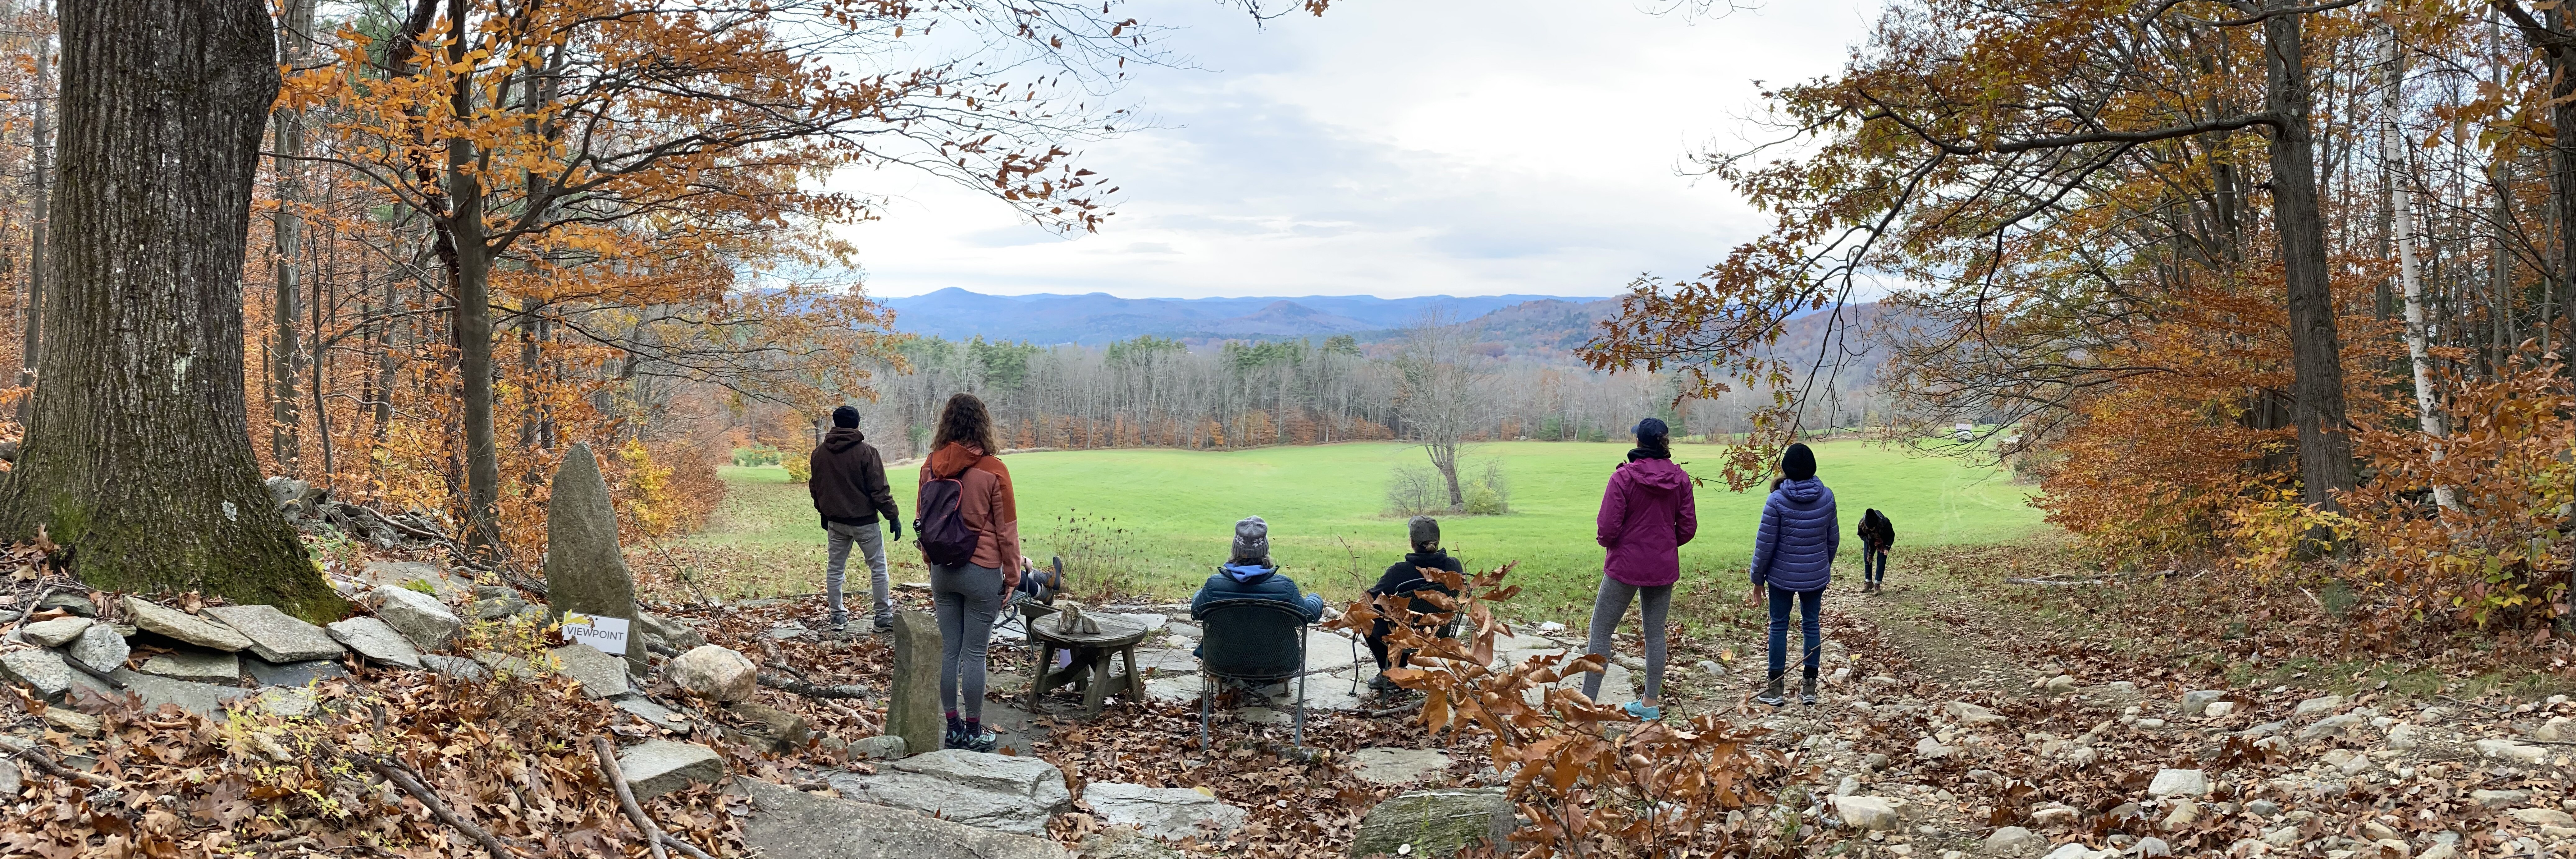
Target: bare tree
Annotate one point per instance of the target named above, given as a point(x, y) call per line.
point(1441, 394)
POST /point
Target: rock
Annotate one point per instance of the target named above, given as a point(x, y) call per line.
point(600, 675)
point(42, 670)
point(780, 729)
point(2151, 724)
point(1170, 813)
point(71, 602)
point(1868, 813)
point(421, 618)
point(2074, 850)
point(275, 635)
point(406, 574)
point(2331, 726)
point(2347, 761)
point(883, 747)
point(585, 571)
point(2197, 701)
point(2557, 729)
point(173, 623)
point(1712, 669)
point(2219, 709)
point(374, 640)
point(2440, 850)
point(653, 714)
point(100, 647)
point(912, 699)
point(204, 699)
point(1399, 766)
point(2499, 798)
point(1124, 843)
point(2054, 815)
point(266, 673)
point(2317, 706)
point(2544, 817)
point(2059, 685)
point(1551, 628)
point(1928, 748)
point(10, 779)
point(1434, 823)
point(657, 767)
point(999, 792)
point(2392, 847)
point(2184, 813)
point(716, 672)
point(1971, 714)
point(2014, 841)
point(785, 822)
point(73, 722)
point(2376, 831)
point(56, 632)
point(2403, 737)
point(2262, 808)
point(196, 666)
point(2173, 783)
point(495, 609)
point(2508, 750)
point(503, 664)
point(455, 667)
point(286, 702)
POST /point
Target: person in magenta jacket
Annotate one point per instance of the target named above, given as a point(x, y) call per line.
point(1646, 515)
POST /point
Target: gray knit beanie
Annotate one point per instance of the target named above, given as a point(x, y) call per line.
point(1252, 539)
point(1424, 530)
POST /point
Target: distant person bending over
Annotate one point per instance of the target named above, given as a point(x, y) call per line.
point(1404, 578)
point(1793, 558)
point(1251, 575)
point(968, 594)
point(848, 482)
point(1876, 536)
point(1647, 513)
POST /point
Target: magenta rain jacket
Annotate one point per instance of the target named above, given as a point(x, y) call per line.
point(1646, 516)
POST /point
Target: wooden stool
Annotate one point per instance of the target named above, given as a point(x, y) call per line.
point(1094, 655)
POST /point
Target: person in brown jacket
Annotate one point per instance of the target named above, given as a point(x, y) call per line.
point(968, 596)
point(850, 491)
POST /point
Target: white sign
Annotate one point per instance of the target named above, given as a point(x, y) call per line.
point(606, 633)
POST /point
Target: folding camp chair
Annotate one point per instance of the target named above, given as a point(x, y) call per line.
point(1253, 642)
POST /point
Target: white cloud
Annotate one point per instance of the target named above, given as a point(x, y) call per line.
point(1391, 147)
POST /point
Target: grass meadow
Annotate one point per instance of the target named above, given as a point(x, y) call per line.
point(1154, 521)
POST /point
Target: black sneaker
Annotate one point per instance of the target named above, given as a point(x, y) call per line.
point(1384, 687)
point(985, 742)
point(954, 738)
point(884, 625)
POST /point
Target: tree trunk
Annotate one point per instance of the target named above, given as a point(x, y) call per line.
point(2562, 183)
point(138, 456)
point(41, 159)
point(2401, 218)
point(2325, 447)
point(288, 243)
point(470, 276)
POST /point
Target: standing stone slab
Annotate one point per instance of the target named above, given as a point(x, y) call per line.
point(913, 705)
point(657, 767)
point(1000, 792)
point(196, 666)
point(275, 635)
point(585, 571)
point(601, 675)
point(1434, 823)
point(101, 648)
point(41, 670)
point(421, 618)
point(173, 623)
point(372, 639)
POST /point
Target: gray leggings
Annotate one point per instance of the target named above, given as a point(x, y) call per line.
point(1606, 611)
point(966, 597)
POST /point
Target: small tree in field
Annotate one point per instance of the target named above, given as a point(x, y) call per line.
point(1441, 394)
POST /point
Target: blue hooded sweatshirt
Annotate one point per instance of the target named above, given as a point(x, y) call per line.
point(1794, 550)
point(1254, 580)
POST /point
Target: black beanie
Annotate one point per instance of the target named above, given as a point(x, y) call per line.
point(845, 417)
point(1798, 462)
point(1652, 428)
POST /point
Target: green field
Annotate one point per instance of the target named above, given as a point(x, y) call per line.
point(1163, 518)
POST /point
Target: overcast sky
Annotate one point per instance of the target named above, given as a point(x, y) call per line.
point(1392, 148)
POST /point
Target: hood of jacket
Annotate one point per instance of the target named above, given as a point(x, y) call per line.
point(842, 439)
point(1804, 490)
point(1426, 559)
point(1657, 474)
point(954, 458)
point(1248, 573)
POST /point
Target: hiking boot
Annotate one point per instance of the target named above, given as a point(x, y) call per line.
point(885, 624)
point(1807, 691)
point(1771, 695)
point(1384, 687)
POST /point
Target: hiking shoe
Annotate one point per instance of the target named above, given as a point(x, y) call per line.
point(1639, 710)
point(954, 738)
point(1771, 695)
point(1384, 687)
point(985, 741)
point(885, 625)
point(1807, 691)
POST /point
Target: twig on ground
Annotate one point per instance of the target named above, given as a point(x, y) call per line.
point(403, 779)
point(93, 671)
point(2057, 582)
point(47, 763)
point(30, 610)
point(626, 796)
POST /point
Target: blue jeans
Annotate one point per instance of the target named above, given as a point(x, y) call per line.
point(1809, 602)
point(1873, 565)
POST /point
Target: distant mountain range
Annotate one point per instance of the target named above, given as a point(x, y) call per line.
point(1099, 318)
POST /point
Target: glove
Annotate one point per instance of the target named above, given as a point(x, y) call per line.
point(894, 530)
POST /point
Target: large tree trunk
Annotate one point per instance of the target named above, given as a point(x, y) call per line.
point(138, 456)
point(470, 275)
point(2325, 447)
point(288, 245)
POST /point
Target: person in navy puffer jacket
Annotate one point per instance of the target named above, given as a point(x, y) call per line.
point(1793, 559)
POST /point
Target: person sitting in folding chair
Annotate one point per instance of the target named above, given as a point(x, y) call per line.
point(1404, 578)
point(1251, 575)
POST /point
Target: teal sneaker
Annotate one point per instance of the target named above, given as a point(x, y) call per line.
point(1639, 710)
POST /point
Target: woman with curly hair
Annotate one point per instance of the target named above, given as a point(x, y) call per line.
point(967, 596)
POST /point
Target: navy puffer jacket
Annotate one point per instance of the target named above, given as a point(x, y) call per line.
point(1800, 533)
